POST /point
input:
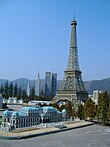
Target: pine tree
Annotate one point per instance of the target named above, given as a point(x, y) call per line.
point(104, 109)
point(33, 92)
point(15, 90)
point(61, 108)
point(89, 109)
point(2, 90)
point(6, 89)
point(80, 112)
point(42, 95)
point(70, 110)
point(19, 92)
point(11, 89)
point(103, 106)
point(109, 112)
point(98, 113)
point(24, 96)
point(55, 105)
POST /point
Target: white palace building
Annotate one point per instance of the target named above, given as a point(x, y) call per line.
point(30, 116)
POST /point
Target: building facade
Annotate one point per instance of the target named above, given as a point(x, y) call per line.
point(34, 102)
point(47, 85)
point(30, 116)
point(13, 100)
point(54, 84)
point(95, 96)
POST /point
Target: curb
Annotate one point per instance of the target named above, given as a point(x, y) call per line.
point(43, 133)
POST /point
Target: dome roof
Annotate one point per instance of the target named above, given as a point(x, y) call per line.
point(30, 108)
point(64, 111)
point(6, 112)
point(15, 114)
point(22, 114)
point(48, 109)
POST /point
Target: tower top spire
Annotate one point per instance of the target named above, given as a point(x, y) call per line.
point(38, 74)
point(74, 17)
point(73, 22)
point(73, 63)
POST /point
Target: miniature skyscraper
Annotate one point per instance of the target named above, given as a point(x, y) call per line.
point(47, 85)
point(37, 88)
point(54, 84)
point(28, 90)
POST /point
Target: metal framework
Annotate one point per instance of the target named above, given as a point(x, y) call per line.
point(72, 86)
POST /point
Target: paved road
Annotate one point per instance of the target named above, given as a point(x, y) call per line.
point(91, 136)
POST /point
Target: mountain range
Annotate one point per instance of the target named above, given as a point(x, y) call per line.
point(103, 85)
point(90, 86)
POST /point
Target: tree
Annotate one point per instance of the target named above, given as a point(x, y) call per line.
point(33, 92)
point(61, 108)
point(15, 90)
point(109, 112)
point(4, 105)
point(80, 112)
point(6, 90)
point(24, 96)
point(55, 105)
point(89, 109)
point(19, 93)
point(2, 89)
point(70, 110)
point(11, 89)
point(103, 107)
point(98, 108)
point(41, 95)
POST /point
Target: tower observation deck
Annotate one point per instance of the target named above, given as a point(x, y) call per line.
point(72, 86)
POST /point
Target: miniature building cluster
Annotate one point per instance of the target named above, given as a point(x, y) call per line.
point(30, 116)
point(12, 100)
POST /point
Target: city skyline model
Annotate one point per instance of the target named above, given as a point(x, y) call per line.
point(72, 86)
point(48, 87)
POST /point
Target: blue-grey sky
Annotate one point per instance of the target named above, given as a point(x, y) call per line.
point(35, 36)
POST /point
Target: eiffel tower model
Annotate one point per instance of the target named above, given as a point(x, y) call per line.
point(72, 86)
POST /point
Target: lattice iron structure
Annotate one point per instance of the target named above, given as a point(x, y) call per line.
point(72, 86)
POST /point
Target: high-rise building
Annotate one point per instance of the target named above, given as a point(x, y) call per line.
point(48, 85)
point(54, 84)
point(28, 90)
point(37, 87)
point(96, 96)
point(72, 86)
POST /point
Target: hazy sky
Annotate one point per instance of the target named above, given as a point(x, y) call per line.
point(35, 36)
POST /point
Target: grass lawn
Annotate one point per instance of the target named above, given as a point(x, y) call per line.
point(24, 129)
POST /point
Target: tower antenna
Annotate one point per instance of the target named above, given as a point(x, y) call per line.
point(74, 17)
